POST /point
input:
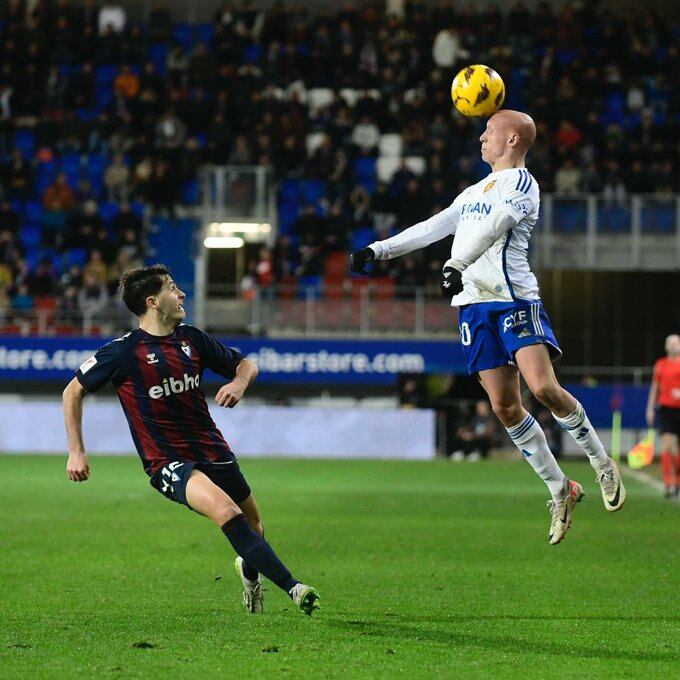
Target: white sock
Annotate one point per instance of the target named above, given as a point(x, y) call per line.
point(583, 433)
point(530, 440)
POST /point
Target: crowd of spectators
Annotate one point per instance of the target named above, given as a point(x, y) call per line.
point(97, 111)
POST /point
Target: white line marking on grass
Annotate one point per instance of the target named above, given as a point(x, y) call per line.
point(644, 478)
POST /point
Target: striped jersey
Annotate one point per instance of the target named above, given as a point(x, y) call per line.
point(158, 382)
point(502, 272)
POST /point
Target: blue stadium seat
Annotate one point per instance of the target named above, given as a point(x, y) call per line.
point(96, 167)
point(106, 74)
point(74, 256)
point(310, 285)
point(30, 235)
point(182, 34)
point(616, 103)
point(569, 217)
point(205, 33)
point(71, 165)
point(32, 257)
point(288, 214)
point(659, 217)
point(290, 191)
point(252, 54)
point(24, 140)
point(614, 218)
point(97, 163)
point(313, 190)
point(107, 211)
point(157, 55)
point(189, 194)
point(566, 56)
point(52, 255)
point(33, 211)
point(42, 182)
point(365, 168)
point(362, 237)
point(85, 115)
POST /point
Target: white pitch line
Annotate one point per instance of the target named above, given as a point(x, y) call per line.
point(644, 478)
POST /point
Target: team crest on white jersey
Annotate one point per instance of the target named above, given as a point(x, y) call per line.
point(489, 186)
point(186, 348)
point(151, 358)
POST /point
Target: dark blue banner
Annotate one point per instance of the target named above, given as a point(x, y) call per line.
point(369, 362)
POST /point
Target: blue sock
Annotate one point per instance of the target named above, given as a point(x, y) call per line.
point(256, 552)
point(250, 572)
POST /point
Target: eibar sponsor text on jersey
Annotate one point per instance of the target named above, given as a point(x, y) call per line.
point(174, 386)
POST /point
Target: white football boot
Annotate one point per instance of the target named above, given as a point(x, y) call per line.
point(561, 512)
point(305, 597)
point(253, 598)
point(613, 491)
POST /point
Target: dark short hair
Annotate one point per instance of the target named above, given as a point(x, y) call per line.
point(137, 284)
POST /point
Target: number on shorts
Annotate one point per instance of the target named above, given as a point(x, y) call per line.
point(465, 336)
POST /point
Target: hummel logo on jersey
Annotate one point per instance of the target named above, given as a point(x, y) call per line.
point(186, 348)
point(151, 359)
point(173, 386)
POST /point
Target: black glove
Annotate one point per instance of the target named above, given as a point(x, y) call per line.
point(451, 282)
point(358, 260)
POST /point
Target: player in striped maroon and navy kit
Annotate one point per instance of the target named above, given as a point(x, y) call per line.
point(157, 371)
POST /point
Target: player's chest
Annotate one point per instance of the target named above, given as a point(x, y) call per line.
point(670, 373)
point(477, 206)
point(173, 356)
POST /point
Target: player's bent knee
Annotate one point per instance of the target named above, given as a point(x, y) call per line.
point(224, 511)
point(508, 414)
point(548, 394)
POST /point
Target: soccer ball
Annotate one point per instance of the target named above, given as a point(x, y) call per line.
point(477, 90)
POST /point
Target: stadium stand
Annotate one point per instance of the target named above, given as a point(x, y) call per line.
point(105, 123)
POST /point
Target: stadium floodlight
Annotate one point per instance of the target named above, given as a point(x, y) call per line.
point(223, 242)
point(240, 228)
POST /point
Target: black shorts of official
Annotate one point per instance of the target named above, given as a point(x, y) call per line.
point(669, 420)
point(171, 480)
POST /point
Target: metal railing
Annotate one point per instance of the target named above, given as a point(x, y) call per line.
point(360, 307)
point(106, 322)
point(597, 232)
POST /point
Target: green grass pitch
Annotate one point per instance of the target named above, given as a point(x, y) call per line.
point(426, 570)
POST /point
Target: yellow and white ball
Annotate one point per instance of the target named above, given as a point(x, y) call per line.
point(477, 90)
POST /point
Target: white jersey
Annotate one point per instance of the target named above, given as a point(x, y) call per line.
point(492, 223)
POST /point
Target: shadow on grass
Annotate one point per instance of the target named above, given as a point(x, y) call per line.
point(430, 629)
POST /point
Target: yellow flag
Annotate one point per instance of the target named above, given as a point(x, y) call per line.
point(642, 454)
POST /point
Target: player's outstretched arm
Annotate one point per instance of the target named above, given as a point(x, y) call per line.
point(78, 468)
point(230, 394)
point(651, 402)
point(418, 236)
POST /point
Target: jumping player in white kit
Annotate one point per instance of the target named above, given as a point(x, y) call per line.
point(504, 328)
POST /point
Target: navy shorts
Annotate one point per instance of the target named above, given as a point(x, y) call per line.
point(491, 332)
point(171, 480)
